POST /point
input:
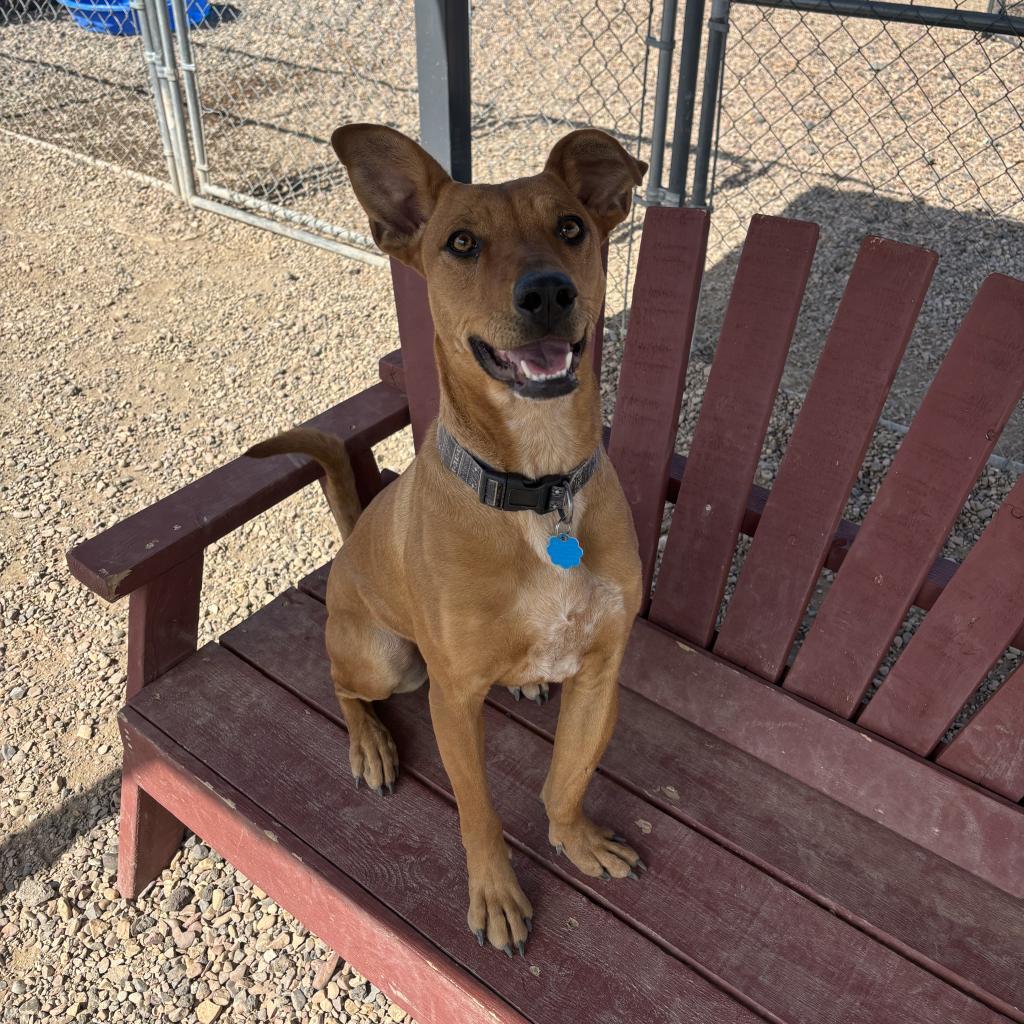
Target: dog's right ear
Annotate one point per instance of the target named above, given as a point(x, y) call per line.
point(396, 182)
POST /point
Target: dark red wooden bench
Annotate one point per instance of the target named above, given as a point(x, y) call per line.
point(812, 858)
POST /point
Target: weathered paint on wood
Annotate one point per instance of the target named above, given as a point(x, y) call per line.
point(751, 353)
point(668, 276)
point(147, 544)
point(960, 640)
point(865, 345)
point(377, 942)
point(950, 438)
point(990, 748)
point(405, 851)
point(978, 831)
point(743, 928)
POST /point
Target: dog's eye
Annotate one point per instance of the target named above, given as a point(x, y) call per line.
point(571, 230)
point(462, 243)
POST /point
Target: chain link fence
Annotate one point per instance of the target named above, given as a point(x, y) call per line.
point(871, 125)
point(89, 94)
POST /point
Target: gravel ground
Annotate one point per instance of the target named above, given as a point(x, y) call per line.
point(144, 344)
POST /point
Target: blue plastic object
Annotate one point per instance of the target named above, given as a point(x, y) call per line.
point(116, 18)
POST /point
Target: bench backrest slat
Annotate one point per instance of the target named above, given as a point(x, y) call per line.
point(669, 271)
point(960, 640)
point(752, 347)
point(948, 443)
point(865, 345)
point(416, 331)
point(989, 750)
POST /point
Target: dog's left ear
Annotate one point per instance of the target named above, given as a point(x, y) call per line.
point(599, 172)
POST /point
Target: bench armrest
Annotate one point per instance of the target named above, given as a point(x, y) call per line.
point(178, 527)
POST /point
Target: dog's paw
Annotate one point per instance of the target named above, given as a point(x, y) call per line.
point(499, 911)
point(537, 692)
point(373, 756)
point(596, 851)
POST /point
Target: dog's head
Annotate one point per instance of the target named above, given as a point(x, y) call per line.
point(514, 270)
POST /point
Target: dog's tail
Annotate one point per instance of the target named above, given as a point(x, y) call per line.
point(330, 452)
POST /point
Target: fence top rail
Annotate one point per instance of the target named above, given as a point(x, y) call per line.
point(911, 14)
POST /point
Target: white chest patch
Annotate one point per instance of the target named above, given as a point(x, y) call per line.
point(562, 614)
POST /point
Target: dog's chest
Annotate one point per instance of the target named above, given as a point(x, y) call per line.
point(560, 615)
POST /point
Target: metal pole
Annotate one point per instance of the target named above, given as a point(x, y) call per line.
point(682, 130)
point(443, 75)
point(172, 97)
point(187, 63)
point(152, 59)
point(665, 45)
point(718, 27)
point(909, 14)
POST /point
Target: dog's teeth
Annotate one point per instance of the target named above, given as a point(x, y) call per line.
point(568, 360)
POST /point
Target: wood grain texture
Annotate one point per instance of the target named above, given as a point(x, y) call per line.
point(950, 438)
point(405, 852)
point(147, 544)
point(751, 353)
point(979, 832)
point(375, 940)
point(163, 629)
point(990, 748)
point(750, 932)
point(416, 330)
point(653, 371)
point(960, 640)
point(862, 353)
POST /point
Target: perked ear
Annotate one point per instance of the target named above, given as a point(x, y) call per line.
point(396, 182)
point(599, 172)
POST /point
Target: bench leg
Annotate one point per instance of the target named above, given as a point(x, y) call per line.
point(163, 624)
point(149, 837)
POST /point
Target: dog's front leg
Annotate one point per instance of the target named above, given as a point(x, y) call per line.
point(585, 722)
point(498, 908)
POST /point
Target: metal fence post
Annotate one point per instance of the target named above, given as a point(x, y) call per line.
point(718, 28)
point(682, 130)
point(665, 45)
point(443, 75)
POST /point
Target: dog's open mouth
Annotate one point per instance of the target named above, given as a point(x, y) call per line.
point(541, 369)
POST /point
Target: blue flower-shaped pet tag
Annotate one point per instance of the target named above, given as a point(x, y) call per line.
point(564, 551)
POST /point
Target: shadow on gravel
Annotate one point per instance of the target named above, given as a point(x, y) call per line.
point(970, 247)
point(40, 844)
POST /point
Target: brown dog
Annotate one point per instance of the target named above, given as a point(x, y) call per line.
point(439, 577)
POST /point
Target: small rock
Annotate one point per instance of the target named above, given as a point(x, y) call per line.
point(18, 692)
point(326, 972)
point(110, 863)
point(208, 1011)
point(19, 988)
point(84, 732)
point(298, 1001)
point(396, 1013)
point(32, 893)
point(178, 900)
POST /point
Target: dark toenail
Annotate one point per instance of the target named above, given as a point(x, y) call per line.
point(634, 876)
point(359, 779)
point(521, 946)
point(391, 789)
point(640, 864)
point(379, 791)
point(479, 933)
point(605, 876)
point(538, 700)
point(529, 924)
point(517, 693)
point(507, 950)
point(559, 849)
point(616, 838)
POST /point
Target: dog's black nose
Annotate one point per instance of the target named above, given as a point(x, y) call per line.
point(545, 297)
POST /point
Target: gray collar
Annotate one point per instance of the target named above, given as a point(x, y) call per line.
point(511, 491)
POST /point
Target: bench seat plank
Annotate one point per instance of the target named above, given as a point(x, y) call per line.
point(753, 932)
point(405, 852)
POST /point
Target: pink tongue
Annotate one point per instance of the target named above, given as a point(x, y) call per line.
point(544, 356)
